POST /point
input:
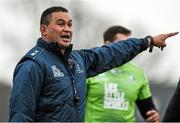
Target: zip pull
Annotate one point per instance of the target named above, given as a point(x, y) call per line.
point(76, 98)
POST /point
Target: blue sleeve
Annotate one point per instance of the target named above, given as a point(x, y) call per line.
point(27, 84)
point(100, 59)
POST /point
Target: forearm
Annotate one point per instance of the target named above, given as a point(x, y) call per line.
point(101, 59)
point(113, 55)
point(145, 105)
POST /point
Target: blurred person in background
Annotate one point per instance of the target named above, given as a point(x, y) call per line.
point(172, 113)
point(112, 96)
point(49, 82)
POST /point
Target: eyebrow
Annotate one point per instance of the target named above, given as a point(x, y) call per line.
point(62, 20)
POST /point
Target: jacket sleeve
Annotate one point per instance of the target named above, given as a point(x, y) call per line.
point(27, 84)
point(100, 59)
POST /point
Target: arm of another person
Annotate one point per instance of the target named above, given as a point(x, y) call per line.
point(172, 113)
point(27, 84)
point(145, 102)
point(148, 110)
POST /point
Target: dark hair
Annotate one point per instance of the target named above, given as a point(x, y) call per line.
point(109, 34)
point(46, 15)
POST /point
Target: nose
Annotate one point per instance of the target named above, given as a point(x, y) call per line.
point(67, 28)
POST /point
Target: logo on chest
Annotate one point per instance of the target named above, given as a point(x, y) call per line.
point(78, 69)
point(56, 71)
point(113, 99)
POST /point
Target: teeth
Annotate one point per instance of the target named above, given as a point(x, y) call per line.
point(65, 36)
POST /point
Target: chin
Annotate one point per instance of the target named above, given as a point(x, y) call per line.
point(65, 45)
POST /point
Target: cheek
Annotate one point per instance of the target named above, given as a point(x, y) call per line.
point(55, 29)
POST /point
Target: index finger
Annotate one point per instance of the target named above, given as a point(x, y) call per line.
point(171, 34)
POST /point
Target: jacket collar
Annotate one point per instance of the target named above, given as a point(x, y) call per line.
point(55, 48)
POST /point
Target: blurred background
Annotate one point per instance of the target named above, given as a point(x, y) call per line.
point(19, 30)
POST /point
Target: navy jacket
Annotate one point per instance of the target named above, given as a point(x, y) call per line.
point(172, 113)
point(49, 86)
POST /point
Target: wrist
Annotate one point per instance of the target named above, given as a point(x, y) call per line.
point(150, 42)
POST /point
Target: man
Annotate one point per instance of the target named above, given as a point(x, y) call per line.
point(113, 95)
point(172, 113)
point(49, 82)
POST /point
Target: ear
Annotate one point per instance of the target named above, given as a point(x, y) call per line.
point(43, 29)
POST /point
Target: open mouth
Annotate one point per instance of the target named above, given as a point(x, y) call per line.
point(65, 37)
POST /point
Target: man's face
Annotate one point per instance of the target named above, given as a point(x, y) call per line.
point(59, 29)
point(118, 37)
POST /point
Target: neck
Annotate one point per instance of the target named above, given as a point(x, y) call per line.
point(62, 50)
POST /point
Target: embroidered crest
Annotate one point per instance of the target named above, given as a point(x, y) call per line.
point(131, 79)
point(79, 70)
point(56, 71)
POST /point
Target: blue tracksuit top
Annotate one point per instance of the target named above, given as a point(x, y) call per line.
point(49, 86)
